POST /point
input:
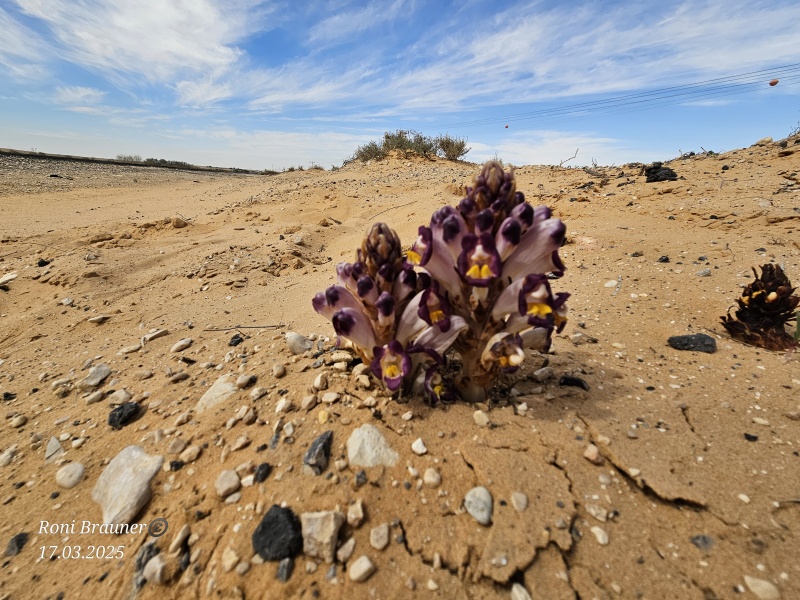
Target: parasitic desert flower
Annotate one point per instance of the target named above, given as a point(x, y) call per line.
point(766, 306)
point(473, 292)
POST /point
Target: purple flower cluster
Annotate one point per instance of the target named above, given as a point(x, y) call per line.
point(472, 293)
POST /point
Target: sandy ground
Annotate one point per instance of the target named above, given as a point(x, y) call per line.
point(698, 492)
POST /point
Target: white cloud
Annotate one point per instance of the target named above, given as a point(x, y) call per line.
point(75, 94)
point(151, 39)
point(343, 25)
point(22, 52)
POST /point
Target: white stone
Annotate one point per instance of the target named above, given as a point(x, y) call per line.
point(600, 535)
point(180, 537)
point(123, 487)
point(97, 374)
point(219, 392)
point(190, 454)
point(119, 397)
point(764, 590)
point(481, 418)
point(431, 478)
point(361, 569)
point(519, 501)
point(518, 592)
point(258, 392)
point(366, 447)
point(54, 451)
point(345, 551)
point(418, 447)
point(229, 559)
point(181, 345)
point(244, 381)
point(355, 513)
point(478, 502)
point(8, 455)
point(153, 571)
point(227, 482)
point(330, 397)
point(321, 382)
point(69, 475)
point(298, 344)
point(379, 536)
point(320, 533)
point(278, 370)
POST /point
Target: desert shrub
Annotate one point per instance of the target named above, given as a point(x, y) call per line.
point(451, 148)
point(370, 151)
point(129, 157)
point(411, 142)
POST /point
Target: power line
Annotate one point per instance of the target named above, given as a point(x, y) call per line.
point(712, 88)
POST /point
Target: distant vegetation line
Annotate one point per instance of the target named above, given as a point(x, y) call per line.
point(126, 160)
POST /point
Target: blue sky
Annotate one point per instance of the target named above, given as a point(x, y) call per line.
point(274, 84)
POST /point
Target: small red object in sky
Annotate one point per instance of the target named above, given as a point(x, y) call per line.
point(506, 126)
point(774, 82)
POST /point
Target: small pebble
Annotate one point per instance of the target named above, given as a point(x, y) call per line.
point(182, 345)
point(278, 371)
point(518, 592)
point(519, 501)
point(432, 478)
point(418, 447)
point(592, 454)
point(379, 536)
point(481, 418)
point(600, 535)
point(361, 569)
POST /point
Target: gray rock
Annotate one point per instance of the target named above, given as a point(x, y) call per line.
point(54, 451)
point(97, 374)
point(119, 397)
point(298, 344)
point(478, 503)
point(379, 536)
point(366, 447)
point(320, 533)
point(123, 487)
point(227, 482)
point(318, 453)
point(8, 455)
point(219, 392)
point(69, 475)
point(95, 397)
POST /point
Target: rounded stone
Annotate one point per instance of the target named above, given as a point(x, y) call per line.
point(227, 482)
point(478, 503)
point(432, 478)
point(361, 569)
point(69, 475)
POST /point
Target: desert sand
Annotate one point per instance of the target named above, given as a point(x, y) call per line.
point(693, 491)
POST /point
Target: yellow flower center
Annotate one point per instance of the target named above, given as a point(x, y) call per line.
point(413, 257)
point(539, 309)
point(391, 371)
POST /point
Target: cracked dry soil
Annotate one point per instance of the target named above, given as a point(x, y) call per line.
point(678, 502)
